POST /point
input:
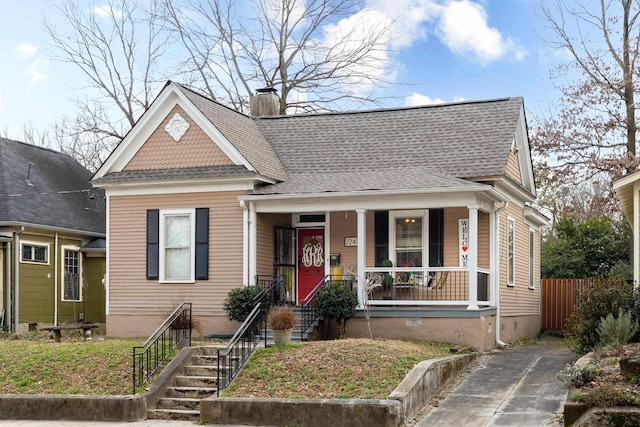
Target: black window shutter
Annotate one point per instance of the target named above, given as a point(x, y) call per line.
point(202, 243)
point(153, 243)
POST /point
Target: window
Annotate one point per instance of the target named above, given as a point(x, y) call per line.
point(35, 252)
point(511, 242)
point(178, 245)
point(408, 241)
point(532, 237)
point(71, 275)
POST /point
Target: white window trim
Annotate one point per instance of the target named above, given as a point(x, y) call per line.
point(511, 221)
point(80, 294)
point(417, 213)
point(161, 267)
point(532, 258)
point(45, 245)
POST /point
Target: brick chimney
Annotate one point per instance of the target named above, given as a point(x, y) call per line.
point(265, 102)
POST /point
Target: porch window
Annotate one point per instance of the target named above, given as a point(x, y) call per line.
point(178, 245)
point(34, 252)
point(511, 238)
point(532, 236)
point(408, 241)
point(71, 275)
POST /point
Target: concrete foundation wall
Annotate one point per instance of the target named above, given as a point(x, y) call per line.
point(516, 328)
point(475, 332)
point(304, 412)
point(130, 326)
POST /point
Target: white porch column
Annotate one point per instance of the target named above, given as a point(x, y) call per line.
point(253, 243)
point(362, 253)
point(473, 257)
point(245, 243)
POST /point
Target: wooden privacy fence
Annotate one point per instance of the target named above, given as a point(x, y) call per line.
point(559, 298)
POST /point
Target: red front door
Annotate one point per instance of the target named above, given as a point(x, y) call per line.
point(310, 260)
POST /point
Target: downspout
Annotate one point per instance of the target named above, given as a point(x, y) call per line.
point(7, 316)
point(55, 281)
point(497, 272)
point(16, 280)
point(245, 243)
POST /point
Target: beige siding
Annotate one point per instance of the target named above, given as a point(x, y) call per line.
point(517, 300)
point(131, 292)
point(195, 148)
point(513, 167)
point(266, 224)
point(452, 237)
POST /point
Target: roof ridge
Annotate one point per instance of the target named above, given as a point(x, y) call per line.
point(207, 98)
point(390, 109)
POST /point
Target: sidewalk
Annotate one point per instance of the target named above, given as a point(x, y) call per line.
point(510, 387)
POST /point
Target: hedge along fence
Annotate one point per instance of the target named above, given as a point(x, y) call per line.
point(559, 299)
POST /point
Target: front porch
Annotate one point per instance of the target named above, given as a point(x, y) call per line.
point(428, 256)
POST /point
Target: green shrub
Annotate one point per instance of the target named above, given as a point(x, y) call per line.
point(608, 396)
point(596, 302)
point(577, 376)
point(617, 331)
point(336, 301)
point(239, 302)
point(387, 280)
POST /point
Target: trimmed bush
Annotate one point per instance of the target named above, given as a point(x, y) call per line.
point(281, 318)
point(239, 302)
point(336, 301)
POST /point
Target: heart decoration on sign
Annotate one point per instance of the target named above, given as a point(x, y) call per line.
point(464, 248)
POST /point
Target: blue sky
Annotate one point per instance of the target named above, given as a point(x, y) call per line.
point(444, 50)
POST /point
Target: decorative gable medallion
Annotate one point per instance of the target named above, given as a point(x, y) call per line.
point(177, 127)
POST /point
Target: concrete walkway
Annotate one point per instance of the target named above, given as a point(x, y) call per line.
point(511, 387)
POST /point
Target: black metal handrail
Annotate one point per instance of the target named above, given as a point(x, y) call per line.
point(241, 346)
point(273, 290)
point(148, 357)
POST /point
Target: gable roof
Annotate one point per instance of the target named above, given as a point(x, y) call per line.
point(444, 145)
point(58, 196)
point(461, 145)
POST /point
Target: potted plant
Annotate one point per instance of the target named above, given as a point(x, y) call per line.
point(387, 280)
point(281, 320)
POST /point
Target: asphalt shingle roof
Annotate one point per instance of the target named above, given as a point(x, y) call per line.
point(223, 171)
point(406, 148)
point(60, 197)
point(242, 132)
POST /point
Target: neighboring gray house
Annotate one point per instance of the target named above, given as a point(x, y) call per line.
point(52, 234)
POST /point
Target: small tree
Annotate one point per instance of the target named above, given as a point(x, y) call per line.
point(336, 301)
point(240, 302)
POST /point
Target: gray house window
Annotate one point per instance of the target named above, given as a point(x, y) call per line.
point(71, 272)
point(36, 253)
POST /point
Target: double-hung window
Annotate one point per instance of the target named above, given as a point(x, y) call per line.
point(511, 248)
point(71, 271)
point(177, 245)
point(34, 252)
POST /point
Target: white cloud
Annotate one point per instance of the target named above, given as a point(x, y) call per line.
point(26, 50)
point(107, 11)
point(464, 28)
point(34, 70)
point(416, 99)
point(408, 19)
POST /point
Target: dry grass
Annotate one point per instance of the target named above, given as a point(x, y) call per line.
point(343, 369)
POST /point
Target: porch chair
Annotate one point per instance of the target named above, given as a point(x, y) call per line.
point(441, 280)
point(402, 283)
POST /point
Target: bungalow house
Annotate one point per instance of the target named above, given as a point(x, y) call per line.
point(52, 239)
point(627, 189)
point(202, 199)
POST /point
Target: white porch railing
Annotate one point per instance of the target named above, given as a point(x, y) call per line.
point(438, 286)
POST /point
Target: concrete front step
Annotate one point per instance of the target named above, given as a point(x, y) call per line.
point(190, 392)
point(196, 381)
point(187, 403)
point(202, 370)
point(174, 414)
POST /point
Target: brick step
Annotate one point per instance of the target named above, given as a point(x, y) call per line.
point(187, 403)
point(174, 414)
point(190, 392)
point(196, 381)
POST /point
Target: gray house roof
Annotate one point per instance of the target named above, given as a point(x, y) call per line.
point(422, 147)
point(54, 192)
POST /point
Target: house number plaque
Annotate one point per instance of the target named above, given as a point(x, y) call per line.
point(351, 241)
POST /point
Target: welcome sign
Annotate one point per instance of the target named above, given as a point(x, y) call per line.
point(463, 231)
